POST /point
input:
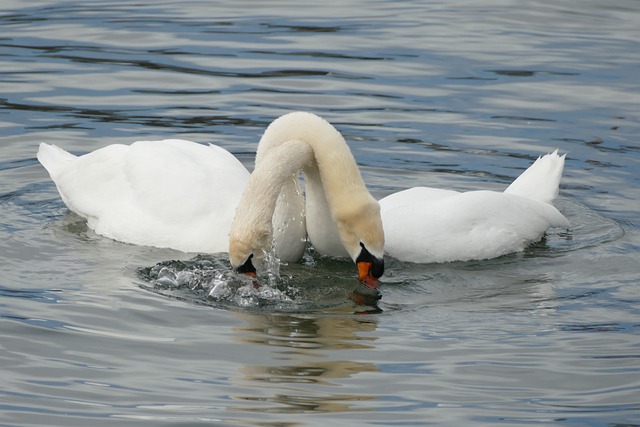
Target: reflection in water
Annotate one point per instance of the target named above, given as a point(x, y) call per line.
point(306, 331)
point(303, 343)
point(292, 404)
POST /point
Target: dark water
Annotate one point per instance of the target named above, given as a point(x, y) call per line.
point(458, 95)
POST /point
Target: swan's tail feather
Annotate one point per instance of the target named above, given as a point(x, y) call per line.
point(541, 180)
point(53, 158)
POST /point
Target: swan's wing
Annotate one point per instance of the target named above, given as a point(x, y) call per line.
point(463, 226)
point(179, 180)
point(185, 192)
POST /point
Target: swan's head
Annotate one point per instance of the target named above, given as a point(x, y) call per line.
point(360, 227)
point(247, 250)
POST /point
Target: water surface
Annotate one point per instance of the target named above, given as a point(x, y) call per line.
point(461, 96)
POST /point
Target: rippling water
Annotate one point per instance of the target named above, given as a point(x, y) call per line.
point(462, 95)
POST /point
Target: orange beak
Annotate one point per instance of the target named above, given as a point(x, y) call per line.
point(364, 273)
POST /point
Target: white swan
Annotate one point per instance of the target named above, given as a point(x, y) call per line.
point(173, 193)
point(427, 225)
point(183, 195)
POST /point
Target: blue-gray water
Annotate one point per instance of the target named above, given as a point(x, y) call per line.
point(460, 95)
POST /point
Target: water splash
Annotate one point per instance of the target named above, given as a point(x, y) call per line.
point(210, 280)
point(270, 267)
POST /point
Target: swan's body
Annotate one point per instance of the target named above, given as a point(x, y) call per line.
point(173, 193)
point(431, 225)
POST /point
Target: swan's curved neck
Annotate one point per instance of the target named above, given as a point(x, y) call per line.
point(338, 170)
point(252, 224)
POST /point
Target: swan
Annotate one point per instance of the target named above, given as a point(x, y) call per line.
point(429, 225)
point(195, 198)
point(172, 193)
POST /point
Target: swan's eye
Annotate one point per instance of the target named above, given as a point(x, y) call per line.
point(247, 268)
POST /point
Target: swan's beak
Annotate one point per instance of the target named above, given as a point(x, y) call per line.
point(370, 268)
point(364, 273)
point(247, 268)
